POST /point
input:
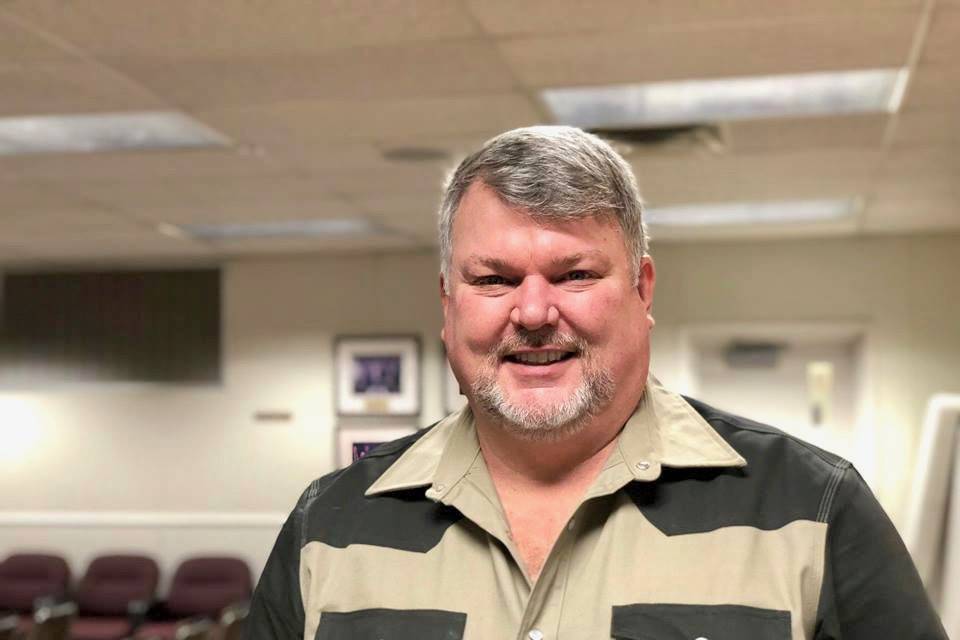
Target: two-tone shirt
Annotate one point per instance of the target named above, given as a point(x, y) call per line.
point(700, 526)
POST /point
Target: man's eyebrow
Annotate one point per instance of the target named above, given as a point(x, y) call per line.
point(495, 264)
point(572, 260)
point(560, 262)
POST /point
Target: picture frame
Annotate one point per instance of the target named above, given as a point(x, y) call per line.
point(354, 442)
point(453, 399)
point(377, 375)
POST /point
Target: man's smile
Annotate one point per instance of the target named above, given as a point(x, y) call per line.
point(540, 357)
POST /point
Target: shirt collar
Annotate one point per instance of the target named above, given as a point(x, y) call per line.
point(664, 431)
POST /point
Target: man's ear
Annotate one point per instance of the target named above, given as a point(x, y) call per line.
point(444, 301)
point(646, 282)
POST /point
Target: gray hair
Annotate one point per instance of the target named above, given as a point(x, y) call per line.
point(554, 173)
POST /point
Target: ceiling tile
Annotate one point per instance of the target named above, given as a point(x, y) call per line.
point(789, 133)
point(928, 127)
point(909, 163)
point(71, 86)
point(333, 122)
point(114, 247)
point(175, 29)
point(386, 205)
point(70, 169)
point(934, 86)
point(27, 197)
point(913, 215)
point(757, 176)
point(239, 248)
point(883, 40)
point(253, 211)
point(507, 17)
point(21, 44)
point(404, 71)
point(220, 199)
point(754, 232)
point(68, 225)
point(943, 40)
point(403, 179)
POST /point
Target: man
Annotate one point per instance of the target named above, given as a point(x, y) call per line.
point(576, 498)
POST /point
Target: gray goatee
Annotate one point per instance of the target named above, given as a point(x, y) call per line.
point(552, 422)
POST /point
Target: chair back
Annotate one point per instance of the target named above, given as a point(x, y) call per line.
point(26, 577)
point(205, 586)
point(112, 582)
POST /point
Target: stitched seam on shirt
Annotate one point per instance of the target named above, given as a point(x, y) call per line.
point(826, 502)
point(316, 488)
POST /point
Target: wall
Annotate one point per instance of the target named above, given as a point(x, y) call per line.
point(187, 470)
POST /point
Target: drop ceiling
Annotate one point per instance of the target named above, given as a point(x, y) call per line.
point(313, 94)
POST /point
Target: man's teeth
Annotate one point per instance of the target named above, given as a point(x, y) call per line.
point(539, 357)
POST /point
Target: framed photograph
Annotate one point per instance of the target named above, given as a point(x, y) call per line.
point(377, 375)
point(354, 442)
point(453, 400)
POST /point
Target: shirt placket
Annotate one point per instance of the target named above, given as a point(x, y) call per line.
point(541, 620)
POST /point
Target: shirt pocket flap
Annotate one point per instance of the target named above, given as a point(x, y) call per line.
point(698, 622)
point(392, 624)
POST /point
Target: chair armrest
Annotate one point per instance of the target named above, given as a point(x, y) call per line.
point(48, 601)
point(234, 612)
point(55, 610)
point(138, 607)
point(8, 621)
point(194, 629)
point(137, 611)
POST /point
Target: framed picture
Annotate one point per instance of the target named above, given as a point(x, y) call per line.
point(453, 400)
point(377, 375)
point(354, 442)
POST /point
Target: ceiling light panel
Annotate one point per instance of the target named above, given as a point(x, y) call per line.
point(741, 98)
point(329, 227)
point(741, 213)
point(88, 133)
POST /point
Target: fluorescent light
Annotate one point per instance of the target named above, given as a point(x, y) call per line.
point(693, 101)
point(282, 229)
point(732, 213)
point(104, 132)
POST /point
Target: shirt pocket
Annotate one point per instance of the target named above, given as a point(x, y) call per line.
point(392, 624)
point(698, 622)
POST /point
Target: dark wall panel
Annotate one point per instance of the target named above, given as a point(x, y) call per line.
point(145, 326)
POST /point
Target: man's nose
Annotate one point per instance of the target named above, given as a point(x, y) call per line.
point(535, 307)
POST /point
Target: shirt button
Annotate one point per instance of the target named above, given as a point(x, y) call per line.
point(535, 634)
point(643, 465)
point(571, 525)
point(439, 487)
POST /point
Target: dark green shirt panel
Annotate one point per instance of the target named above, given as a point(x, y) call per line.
point(871, 588)
point(276, 611)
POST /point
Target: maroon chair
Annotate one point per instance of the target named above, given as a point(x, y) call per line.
point(201, 588)
point(110, 594)
point(26, 578)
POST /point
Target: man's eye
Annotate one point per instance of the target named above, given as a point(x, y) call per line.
point(489, 280)
point(579, 275)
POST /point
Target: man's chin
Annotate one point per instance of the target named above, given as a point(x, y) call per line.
point(537, 418)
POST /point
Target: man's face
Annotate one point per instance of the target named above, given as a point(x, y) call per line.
point(544, 324)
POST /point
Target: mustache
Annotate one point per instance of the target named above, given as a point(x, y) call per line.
point(536, 339)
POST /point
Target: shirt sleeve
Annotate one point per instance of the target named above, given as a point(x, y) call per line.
point(871, 588)
point(276, 611)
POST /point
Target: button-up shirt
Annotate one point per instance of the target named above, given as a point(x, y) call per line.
point(699, 525)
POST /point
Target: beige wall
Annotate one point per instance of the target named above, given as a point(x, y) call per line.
point(193, 472)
